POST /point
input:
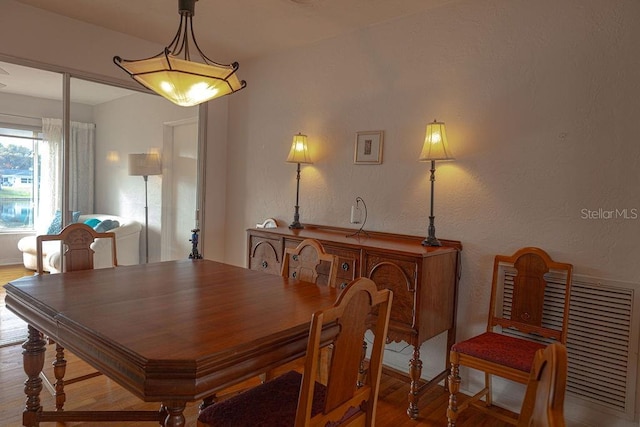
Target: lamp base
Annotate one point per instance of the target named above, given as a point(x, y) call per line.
point(431, 241)
point(296, 225)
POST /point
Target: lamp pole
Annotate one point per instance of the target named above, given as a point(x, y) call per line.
point(431, 239)
point(296, 216)
point(146, 220)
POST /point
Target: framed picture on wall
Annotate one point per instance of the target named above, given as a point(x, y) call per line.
point(368, 149)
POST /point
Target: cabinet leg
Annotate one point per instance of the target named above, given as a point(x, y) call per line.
point(415, 372)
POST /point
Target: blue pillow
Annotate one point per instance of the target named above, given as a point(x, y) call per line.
point(106, 225)
point(56, 222)
point(92, 222)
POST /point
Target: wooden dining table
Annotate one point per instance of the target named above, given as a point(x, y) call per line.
point(169, 332)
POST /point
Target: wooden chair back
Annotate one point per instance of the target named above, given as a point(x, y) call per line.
point(543, 404)
point(524, 310)
point(76, 253)
point(347, 321)
point(304, 262)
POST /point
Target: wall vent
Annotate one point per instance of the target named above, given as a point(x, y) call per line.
point(602, 341)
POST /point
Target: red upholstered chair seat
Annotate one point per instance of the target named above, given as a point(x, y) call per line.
point(508, 351)
point(273, 404)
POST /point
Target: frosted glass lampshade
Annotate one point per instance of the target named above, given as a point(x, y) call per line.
point(185, 83)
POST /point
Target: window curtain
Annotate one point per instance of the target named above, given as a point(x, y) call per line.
point(81, 169)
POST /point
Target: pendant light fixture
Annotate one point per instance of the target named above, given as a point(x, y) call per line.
point(173, 74)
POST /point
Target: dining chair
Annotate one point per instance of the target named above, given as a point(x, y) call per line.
point(76, 240)
point(297, 399)
point(76, 254)
point(308, 261)
point(543, 404)
point(529, 308)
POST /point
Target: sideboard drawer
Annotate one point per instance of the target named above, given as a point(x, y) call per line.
point(347, 271)
point(348, 268)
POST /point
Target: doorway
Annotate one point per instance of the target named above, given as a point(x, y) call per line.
point(179, 187)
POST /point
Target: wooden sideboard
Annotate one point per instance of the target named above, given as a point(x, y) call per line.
point(423, 280)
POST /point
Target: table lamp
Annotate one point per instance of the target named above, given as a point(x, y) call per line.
point(436, 147)
point(299, 154)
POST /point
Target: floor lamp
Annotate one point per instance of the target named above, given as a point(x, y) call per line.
point(144, 165)
point(436, 147)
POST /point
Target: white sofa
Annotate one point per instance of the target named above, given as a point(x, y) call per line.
point(127, 245)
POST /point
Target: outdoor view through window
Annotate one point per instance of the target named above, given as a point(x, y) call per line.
point(18, 177)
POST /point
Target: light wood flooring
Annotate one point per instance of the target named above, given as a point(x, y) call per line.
point(100, 393)
point(12, 329)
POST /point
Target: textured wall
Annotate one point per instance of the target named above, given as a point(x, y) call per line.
point(540, 99)
point(540, 103)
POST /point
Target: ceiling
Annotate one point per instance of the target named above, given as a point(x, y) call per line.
point(235, 30)
point(226, 30)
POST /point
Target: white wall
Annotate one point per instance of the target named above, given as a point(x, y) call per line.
point(214, 227)
point(540, 100)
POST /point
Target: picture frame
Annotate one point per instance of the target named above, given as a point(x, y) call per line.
point(368, 147)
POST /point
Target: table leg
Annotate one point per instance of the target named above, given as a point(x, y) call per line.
point(175, 413)
point(415, 372)
point(33, 361)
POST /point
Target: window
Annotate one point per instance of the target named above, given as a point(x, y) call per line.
point(19, 170)
point(120, 129)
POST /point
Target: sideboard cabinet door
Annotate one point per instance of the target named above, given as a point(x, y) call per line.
point(265, 254)
point(398, 275)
